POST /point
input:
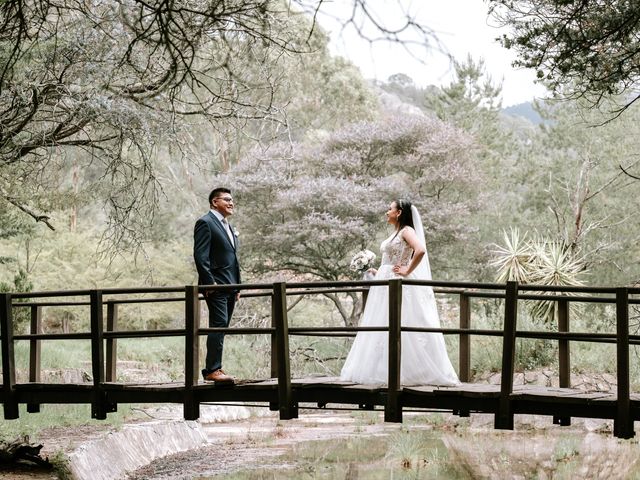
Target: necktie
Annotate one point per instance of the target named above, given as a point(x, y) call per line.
point(225, 224)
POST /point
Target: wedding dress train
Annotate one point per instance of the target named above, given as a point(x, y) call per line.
point(424, 358)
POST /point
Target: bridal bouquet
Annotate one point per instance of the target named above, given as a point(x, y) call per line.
point(362, 261)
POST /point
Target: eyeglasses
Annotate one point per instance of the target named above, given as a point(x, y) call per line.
point(226, 199)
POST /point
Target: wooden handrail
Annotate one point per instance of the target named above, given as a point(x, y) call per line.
point(104, 370)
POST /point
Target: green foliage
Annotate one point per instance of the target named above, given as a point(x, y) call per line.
point(60, 464)
point(580, 49)
point(52, 416)
point(406, 450)
point(21, 316)
point(534, 354)
point(469, 99)
point(21, 283)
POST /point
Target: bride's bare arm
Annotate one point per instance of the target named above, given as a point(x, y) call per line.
point(409, 236)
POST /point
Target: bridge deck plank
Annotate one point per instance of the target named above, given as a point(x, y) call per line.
point(332, 389)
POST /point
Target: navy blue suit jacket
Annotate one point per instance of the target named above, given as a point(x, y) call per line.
point(215, 256)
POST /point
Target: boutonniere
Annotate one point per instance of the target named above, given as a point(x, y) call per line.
point(235, 232)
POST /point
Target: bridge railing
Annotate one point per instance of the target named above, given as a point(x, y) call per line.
point(104, 340)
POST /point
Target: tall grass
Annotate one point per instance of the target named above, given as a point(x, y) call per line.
point(53, 416)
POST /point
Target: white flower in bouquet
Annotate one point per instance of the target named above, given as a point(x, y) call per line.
point(362, 261)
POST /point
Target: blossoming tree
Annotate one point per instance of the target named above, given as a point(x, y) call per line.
point(305, 209)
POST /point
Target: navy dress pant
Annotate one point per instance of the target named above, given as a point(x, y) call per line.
point(221, 306)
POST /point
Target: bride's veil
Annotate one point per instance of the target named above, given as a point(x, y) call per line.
point(423, 270)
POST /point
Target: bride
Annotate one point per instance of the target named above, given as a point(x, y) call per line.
point(424, 359)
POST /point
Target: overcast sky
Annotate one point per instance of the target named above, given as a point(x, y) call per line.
point(462, 27)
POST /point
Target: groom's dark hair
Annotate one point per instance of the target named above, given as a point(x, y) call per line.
point(216, 192)
point(406, 218)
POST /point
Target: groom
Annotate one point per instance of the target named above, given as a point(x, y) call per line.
point(215, 249)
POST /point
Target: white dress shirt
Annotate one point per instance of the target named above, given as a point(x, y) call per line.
point(225, 225)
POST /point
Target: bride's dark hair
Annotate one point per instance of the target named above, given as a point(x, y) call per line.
point(406, 218)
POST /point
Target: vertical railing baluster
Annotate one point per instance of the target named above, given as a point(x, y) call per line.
point(34, 352)
point(286, 404)
point(273, 406)
point(191, 406)
point(564, 365)
point(623, 423)
point(112, 343)
point(10, 402)
point(465, 344)
point(99, 404)
point(465, 338)
point(393, 407)
point(504, 415)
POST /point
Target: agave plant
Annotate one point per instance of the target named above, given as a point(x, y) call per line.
point(537, 261)
point(555, 265)
point(513, 260)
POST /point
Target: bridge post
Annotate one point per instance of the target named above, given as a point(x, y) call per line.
point(288, 409)
point(504, 416)
point(112, 343)
point(273, 406)
point(623, 423)
point(465, 345)
point(564, 363)
point(10, 403)
point(99, 403)
point(393, 407)
point(191, 406)
point(34, 352)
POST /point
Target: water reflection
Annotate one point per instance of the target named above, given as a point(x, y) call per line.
point(417, 455)
point(403, 455)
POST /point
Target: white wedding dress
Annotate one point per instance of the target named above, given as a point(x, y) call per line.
point(424, 359)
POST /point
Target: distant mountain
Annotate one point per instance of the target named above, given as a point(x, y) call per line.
point(524, 110)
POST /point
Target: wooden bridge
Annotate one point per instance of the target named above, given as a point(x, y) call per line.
point(286, 394)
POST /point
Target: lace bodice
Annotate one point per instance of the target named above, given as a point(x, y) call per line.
point(396, 251)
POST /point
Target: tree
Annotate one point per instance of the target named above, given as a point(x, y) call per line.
point(472, 101)
point(593, 204)
point(587, 49)
point(101, 86)
point(306, 209)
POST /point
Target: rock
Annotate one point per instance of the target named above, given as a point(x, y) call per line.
point(132, 447)
point(21, 450)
